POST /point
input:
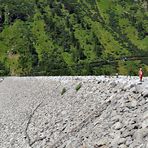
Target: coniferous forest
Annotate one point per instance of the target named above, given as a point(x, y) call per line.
point(73, 37)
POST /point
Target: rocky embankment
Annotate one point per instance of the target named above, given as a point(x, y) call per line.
point(73, 112)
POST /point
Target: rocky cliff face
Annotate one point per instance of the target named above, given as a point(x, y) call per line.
point(73, 112)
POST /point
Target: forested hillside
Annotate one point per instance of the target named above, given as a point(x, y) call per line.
point(73, 37)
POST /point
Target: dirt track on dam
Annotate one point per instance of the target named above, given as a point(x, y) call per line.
point(73, 112)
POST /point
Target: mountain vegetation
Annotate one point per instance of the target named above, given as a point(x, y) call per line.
point(73, 37)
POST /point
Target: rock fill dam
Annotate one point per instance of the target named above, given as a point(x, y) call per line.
point(73, 112)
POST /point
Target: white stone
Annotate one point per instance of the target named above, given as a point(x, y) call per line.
point(118, 125)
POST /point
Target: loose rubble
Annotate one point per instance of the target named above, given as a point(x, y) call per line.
point(103, 113)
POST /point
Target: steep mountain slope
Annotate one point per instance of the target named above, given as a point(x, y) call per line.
point(100, 113)
point(82, 37)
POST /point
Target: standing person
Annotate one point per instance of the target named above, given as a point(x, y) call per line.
point(140, 74)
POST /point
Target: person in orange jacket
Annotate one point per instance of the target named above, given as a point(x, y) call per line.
point(140, 74)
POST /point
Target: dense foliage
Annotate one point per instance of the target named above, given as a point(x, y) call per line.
point(73, 37)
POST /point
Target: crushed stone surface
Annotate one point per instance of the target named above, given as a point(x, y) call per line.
point(105, 112)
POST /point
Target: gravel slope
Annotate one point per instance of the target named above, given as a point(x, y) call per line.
point(103, 113)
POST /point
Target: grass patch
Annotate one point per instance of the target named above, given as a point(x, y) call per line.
point(78, 86)
point(63, 91)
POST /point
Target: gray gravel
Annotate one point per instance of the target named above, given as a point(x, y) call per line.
point(104, 113)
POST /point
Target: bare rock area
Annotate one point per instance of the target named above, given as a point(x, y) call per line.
point(73, 112)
